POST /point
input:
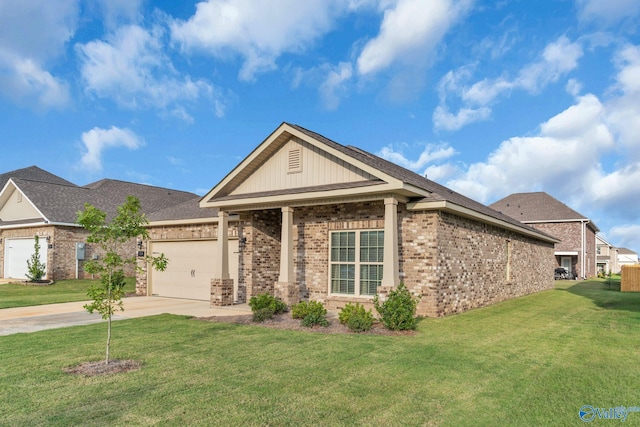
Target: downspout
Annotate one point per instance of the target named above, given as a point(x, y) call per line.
point(583, 248)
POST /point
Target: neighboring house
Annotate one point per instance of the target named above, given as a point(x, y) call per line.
point(306, 218)
point(606, 256)
point(36, 202)
point(576, 250)
point(626, 257)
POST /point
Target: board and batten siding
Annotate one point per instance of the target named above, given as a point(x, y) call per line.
point(313, 167)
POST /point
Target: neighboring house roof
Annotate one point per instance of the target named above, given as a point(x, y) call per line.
point(188, 210)
point(33, 173)
point(385, 177)
point(538, 207)
point(625, 251)
point(59, 201)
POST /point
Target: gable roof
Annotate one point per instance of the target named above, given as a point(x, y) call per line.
point(189, 210)
point(538, 207)
point(420, 192)
point(625, 251)
point(58, 201)
point(33, 173)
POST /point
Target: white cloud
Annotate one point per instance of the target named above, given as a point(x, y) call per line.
point(334, 85)
point(626, 236)
point(431, 153)
point(32, 35)
point(443, 119)
point(259, 31)
point(563, 156)
point(409, 32)
point(132, 69)
point(556, 60)
point(607, 12)
point(97, 140)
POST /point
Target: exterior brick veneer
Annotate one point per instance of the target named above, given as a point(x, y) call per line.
point(453, 263)
point(61, 255)
point(221, 292)
point(572, 242)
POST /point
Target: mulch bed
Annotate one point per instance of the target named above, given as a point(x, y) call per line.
point(91, 369)
point(285, 321)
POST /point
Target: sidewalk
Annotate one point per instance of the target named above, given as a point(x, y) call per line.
point(37, 318)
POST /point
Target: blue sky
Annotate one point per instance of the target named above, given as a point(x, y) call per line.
point(488, 98)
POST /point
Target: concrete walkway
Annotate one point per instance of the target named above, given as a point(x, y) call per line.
point(37, 318)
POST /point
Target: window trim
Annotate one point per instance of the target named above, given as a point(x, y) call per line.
point(358, 263)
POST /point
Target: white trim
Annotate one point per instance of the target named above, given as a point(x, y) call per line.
point(232, 218)
point(567, 253)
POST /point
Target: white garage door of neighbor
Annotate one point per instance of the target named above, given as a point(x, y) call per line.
point(16, 254)
point(190, 269)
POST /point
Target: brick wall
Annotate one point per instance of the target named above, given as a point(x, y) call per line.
point(455, 264)
point(570, 234)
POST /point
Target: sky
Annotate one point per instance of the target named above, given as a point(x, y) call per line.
point(488, 98)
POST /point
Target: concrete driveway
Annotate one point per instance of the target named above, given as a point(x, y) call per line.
point(37, 318)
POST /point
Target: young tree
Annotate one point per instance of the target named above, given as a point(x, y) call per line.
point(37, 269)
point(128, 223)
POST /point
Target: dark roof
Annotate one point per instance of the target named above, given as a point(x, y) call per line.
point(186, 210)
point(33, 173)
point(436, 191)
point(537, 206)
point(59, 201)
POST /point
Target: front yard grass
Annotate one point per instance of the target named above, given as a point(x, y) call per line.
point(14, 295)
point(531, 361)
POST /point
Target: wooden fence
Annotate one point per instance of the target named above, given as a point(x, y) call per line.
point(630, 280)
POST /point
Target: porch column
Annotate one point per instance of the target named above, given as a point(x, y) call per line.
point(222, 286)
point(287, 289)
point(286, 246)
point(391, 264)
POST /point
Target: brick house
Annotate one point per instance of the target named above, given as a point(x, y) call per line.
point(34, 202)
point(306, 218)
point(576, 250)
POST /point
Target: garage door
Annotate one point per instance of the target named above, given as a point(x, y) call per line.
point(190, 269)
point(16, 254)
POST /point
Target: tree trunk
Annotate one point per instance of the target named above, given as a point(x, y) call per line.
point(109, 318)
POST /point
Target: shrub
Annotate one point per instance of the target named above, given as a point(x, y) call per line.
point(315, 318)
point(303, 308)
point(262, 314)
point(312, 313)
point(356, 318)
point(267, 301)
point(37, 269)
point(398, 312)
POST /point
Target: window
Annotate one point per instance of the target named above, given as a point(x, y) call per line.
point(356, 262)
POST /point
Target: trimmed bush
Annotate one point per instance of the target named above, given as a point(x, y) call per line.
point(311, 312)
point(398, 312)
point(265, 306)
point(315, 318)
point(356, 318)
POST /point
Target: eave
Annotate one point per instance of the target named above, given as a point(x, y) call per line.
point(446, 206)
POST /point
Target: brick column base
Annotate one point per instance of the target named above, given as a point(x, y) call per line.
point(288, 292)
point(221, 292)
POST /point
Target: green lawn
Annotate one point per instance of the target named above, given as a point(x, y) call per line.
point(14, 295)
point(532, 361)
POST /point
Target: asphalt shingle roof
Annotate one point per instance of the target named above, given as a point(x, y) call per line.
point(436, 191)
point(33, 173)
point(538, 206)
point(59, 200)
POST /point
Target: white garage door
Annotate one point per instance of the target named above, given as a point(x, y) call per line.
point(16, 254)
point(190, 269)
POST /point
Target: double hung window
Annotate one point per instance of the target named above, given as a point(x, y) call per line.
point(356, 260)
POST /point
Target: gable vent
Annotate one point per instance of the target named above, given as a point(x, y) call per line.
point(295, 160)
